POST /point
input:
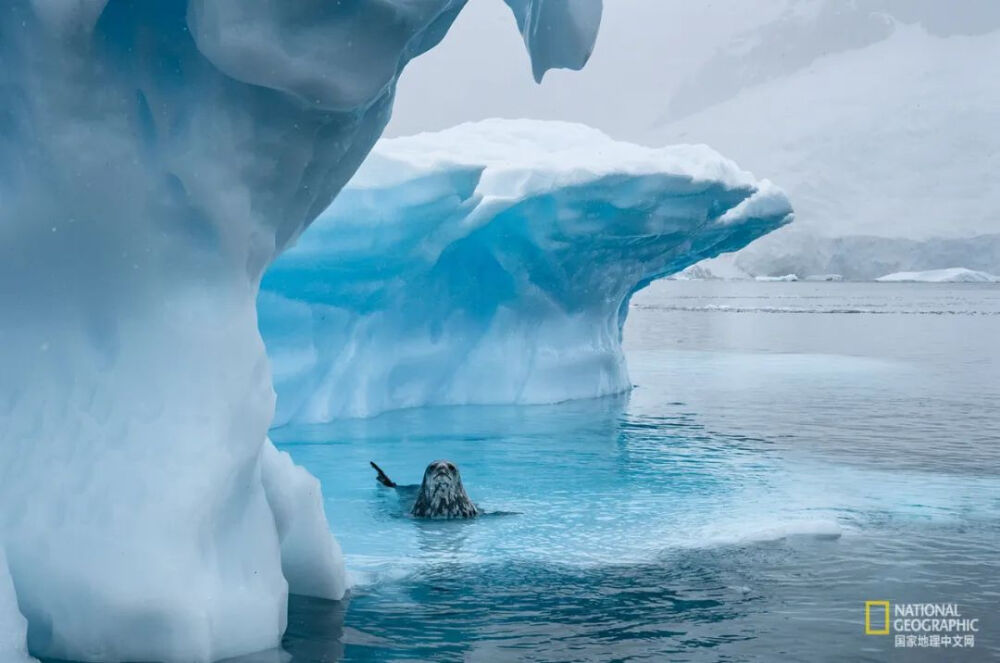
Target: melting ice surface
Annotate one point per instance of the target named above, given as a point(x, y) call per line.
point(492, 263)
point(778, 463)
point(154, 158)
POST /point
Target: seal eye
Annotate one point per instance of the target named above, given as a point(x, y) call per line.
point(451, 467)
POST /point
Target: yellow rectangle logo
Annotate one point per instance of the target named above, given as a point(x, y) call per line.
point(868, 617)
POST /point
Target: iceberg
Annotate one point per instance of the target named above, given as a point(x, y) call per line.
point(951, 275)
point(492, 263)
point(154, 158)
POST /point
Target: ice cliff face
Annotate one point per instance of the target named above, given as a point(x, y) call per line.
point(12, 624)
point(492, 263)
point(154, 158)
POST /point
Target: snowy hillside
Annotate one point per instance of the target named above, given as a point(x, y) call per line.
point(897, 138)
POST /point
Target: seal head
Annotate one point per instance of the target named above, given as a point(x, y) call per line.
point(442, 494)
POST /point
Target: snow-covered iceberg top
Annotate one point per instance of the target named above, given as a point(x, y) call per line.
point(950, 275)
point(493, 263)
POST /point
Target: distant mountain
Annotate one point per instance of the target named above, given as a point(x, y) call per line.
point(865, 257)
point(888, 126)
point(791, 36)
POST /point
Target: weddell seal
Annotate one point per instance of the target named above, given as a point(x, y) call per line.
point(441, 495)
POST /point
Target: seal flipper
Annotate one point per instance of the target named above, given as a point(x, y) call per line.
point(382, 477)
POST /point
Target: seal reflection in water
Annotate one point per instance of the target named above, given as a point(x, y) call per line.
point(441, 494)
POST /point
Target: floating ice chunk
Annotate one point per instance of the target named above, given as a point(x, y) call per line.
point(493, 263)
point(786, 277)
point(952, 275)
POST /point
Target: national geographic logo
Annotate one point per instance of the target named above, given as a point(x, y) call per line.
point(880, 609)
point(936, 625)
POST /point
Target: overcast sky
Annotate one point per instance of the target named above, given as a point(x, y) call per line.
point(644, 50)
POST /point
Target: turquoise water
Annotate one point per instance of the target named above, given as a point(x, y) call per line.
point(790, 450)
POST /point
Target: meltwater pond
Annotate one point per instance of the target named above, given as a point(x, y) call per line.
point(790, 451)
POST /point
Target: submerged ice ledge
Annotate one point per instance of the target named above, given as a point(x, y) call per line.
point(492, 263)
